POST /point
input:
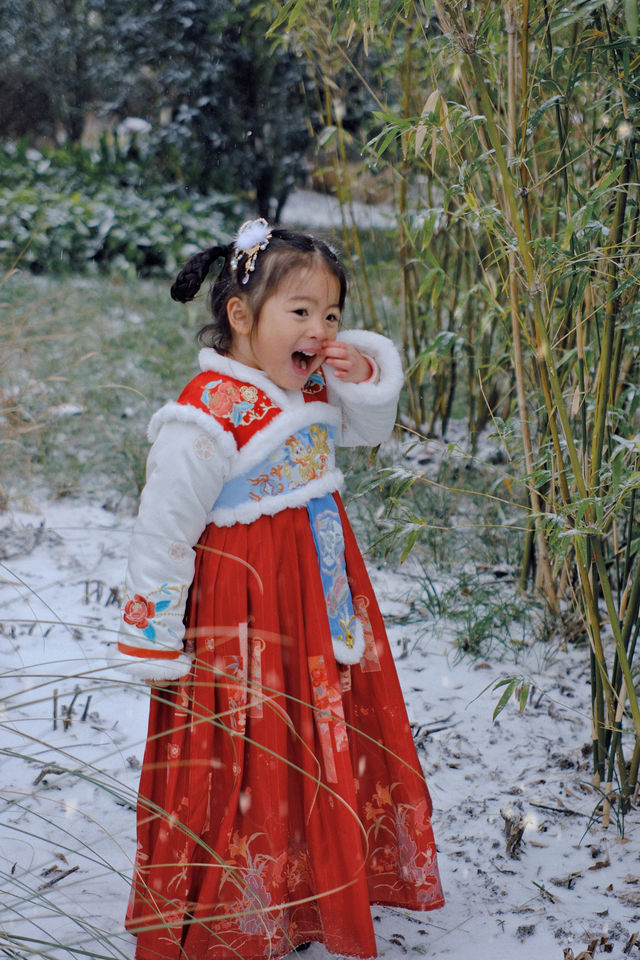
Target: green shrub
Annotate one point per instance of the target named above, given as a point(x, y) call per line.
point(64, 212)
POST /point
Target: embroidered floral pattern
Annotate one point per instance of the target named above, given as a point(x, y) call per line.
point(329, 716)
point(256, 695)
point(233, 668)
point(138, 611)
point(310, 458)
point(315, 388)
point(314, 383)
point(326, 528)
point(304, 456)
point(241, 403)
point(149, 616)
point(400, 842)
point(337, 595)
point(299, 873)
point(204, 447)
point(370, 662)
point(239, 677)
point(261, 881)
point(179, 550)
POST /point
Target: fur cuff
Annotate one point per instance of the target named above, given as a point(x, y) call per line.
point(370, 393)
point(150, 669)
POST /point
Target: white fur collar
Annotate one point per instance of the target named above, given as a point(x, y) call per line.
point(210, 359)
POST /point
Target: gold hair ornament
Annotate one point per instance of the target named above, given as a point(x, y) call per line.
point(252, 237)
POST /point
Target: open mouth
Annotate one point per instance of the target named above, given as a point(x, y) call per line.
point(302, 360)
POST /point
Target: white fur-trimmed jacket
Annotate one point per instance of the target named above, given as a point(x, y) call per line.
point(193, 456)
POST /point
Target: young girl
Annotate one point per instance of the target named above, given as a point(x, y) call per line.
point(280, 793)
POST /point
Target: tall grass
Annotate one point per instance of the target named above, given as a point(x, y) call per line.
point(83, 365)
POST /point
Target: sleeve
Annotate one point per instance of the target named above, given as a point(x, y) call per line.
point(185, 474)
point(368, 408)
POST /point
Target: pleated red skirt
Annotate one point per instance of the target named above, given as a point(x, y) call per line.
point(280, 793)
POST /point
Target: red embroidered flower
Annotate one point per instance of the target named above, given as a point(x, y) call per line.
point(222, 400)
point(139, 611)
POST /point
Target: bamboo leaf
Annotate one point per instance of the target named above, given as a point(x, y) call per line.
point(537, 115)
point(607, 180)
point(410, 543)
point(421, 130)
point(326, 135)
point(631, 16)
point(524, 694)
point(574, 12)
point(506, 696)
point(382, 142)
point(290, 12)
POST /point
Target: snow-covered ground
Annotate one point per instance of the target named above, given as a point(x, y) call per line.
point(67, 819)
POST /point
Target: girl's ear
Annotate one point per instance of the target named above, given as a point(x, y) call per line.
point(239, 315)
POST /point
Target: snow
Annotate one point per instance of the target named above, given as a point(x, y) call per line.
point(67, 828)
point(311, 210)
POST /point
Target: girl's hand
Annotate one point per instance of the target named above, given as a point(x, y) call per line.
point(347, 362)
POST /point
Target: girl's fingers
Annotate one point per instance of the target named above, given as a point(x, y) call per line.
point(337, 354)
point(346, 362)
point(339, 363)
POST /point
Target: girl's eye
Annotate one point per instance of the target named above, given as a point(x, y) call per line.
point(333, 318)
point(301, 311)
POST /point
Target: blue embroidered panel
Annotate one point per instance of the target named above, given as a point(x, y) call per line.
point(304, 456)
point(326, 527)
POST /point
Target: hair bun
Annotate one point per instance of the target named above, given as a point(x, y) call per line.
point(191, 277)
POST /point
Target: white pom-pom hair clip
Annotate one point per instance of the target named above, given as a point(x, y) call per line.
point(252, 237)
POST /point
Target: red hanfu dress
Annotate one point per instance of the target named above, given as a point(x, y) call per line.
point(281, 793)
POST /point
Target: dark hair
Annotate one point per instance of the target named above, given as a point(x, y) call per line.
point(286, 251)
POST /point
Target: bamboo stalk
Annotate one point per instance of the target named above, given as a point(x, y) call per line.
point(615, 627)
point(544, 566)
point(610, 316)
point(613, 750)
point(410, 339)
point(354, 232)
point(632, 781)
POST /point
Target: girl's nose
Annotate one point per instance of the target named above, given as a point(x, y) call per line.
point(318, 327)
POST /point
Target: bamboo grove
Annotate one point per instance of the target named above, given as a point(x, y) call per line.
point(509, 133)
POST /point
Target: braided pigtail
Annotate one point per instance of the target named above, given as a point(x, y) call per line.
point(194, 272)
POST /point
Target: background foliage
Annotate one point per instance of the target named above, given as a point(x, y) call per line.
point(222, 111)
point(62, 212)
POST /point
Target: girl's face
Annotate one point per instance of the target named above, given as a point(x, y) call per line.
point(288, 339)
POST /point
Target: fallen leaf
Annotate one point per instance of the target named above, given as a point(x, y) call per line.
point(568, 882)
point(632, 898)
